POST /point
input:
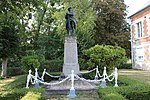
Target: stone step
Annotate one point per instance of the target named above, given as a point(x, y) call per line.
point(66, 91)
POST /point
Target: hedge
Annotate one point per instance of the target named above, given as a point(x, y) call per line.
point(128, 89)
point(12, 71)
point(125, 66)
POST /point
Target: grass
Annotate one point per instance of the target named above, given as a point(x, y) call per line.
point(14, 89)
point(133, 85)
point(140, 75)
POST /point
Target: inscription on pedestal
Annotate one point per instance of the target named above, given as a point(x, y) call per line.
point(70, 56)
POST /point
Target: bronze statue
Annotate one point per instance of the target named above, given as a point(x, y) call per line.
point(70, 22)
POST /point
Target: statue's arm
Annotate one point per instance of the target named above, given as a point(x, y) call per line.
point(71, 13)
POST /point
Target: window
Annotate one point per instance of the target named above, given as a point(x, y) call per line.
point(139, 29)
point(139, 54)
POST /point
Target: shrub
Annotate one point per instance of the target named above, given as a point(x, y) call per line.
point(1, 78)
point(139, 95)
point(89, 75)
point(105, 56)
point(126, 66)
point(53, 65)
point(17, 70)
point(128, 88)
point(82, 63)
point(113, 96)
point(32, 60)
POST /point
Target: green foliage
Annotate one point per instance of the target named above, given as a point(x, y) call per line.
point(113, 96)
point(89, 75)
point(84, 16)
point(105, 56)
point(53, 46)
point(32, 60)
point(39, 30)
point(126, 66)
point(9, 25)
point(83, 65)
point(19, 82)
point(15, 91)
point(128, 89)
point(1, 78)
point(23, 94)
point(34, 95)
point(136, 95)
point(12, 18)
point(53, 65)
point(111, 27)
point(17, 70)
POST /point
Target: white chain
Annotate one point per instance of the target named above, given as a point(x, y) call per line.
point(88, 71)
point(83, 79)
point(46, 83)
point(52, 75)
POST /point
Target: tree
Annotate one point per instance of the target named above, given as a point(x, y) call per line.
point(39, 31)
point(47, 37)
point(8, 37)
point(111, 27)
point(84, 16)
point(11, 24)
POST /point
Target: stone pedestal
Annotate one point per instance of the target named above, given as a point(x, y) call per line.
point(70, 56)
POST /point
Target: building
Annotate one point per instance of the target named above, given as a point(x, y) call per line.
point(140, 39)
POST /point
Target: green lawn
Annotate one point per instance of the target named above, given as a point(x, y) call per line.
point(143, 76)
point(14, 89)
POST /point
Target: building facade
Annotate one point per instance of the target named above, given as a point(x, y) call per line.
point(140, 39)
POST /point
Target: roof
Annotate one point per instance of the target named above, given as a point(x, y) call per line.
point(140, 11)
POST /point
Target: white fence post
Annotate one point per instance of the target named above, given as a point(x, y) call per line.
point(116, 77)
point(42, 78)
point(96, 76)
point(36, 79)
point(72, 90)
point(28, 79)
point(103, 83)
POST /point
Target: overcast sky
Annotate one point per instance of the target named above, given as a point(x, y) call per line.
point(135, 5)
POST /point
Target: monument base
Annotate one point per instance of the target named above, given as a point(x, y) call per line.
point(64, 88)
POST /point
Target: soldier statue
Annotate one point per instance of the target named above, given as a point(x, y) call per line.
point(70, 22)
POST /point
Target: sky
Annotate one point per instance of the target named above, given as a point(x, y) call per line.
point(135, 5)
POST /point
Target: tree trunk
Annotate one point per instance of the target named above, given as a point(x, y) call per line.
point(4, 67)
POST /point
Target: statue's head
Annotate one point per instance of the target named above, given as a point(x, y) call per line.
point(69, 9)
